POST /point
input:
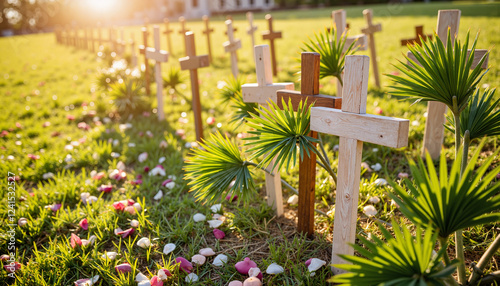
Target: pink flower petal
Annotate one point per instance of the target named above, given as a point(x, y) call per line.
point(105, 188)
point(55, 207)
point(166, 182)
point(219, 234)
point(126, 232)
point(75, 240)
point(184, 264)
point(146, 169)
point(118, 206)
point(123, 268)
point(231, 198)
point(84, 224)
point(99, 176)
point(155, 281)
point(12, 267)
point(245, 265)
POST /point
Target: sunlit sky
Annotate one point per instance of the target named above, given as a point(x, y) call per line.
point(101, 5)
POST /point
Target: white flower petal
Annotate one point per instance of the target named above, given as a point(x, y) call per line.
point(158, 195)
point(134, 223)
point(161, 160)
point(170, 185)
point(143, 157)
point(216, 208)
point(215, 223)
point(169, 247)
point(293, 200)
point(220, 260)
point(198, 259)
point(380, 182)
point(141, 277)
point(199, 217)
point(374, 200)
point(144, 242)
point(377, 167)
point(370, 210)
point(111, 255)
point(274, 268)
point(144, 283)
point(191, 277)
point(207, 252)
point(120, 166)
point(315, 264)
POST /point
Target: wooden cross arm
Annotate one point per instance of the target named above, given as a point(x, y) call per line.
point(253, 92)
point(208, 31)
point(317, 100)
point(416, 40)
point(380, 130)
point(478, 55)
point(231, 47)
point(268, 35)
point(159, 56)
point(372, 29)
point(361, 42)
point(166, 32)
point(251, 30)
point(196, 62)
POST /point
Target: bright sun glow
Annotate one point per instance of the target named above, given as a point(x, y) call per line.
point(101, 5)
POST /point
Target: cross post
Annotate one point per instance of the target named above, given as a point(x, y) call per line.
point(167, 32)
point(251, 29)
point(419, 32)
point(261, 92)
point(309, 90)
point(339, 19)
point(370, 30)
point(192, 62)
point(354, 127)
point(231, 47)
point(207, 32)
point(133, 51)
point(272, 35)
point(142, 51)
point(183, 30)
point(159, 56)
point(434, 125)
point(229, 17)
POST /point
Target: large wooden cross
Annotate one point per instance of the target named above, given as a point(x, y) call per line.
point(207, 32)
point(142, 51)
point(262, 92)
point(192, 62)
point(272, 35)
point(370, 30)
point(309, 90)
point(232, 47)
point(354, 127)
point(159, 56)
point(167, 32)
point(229, 17)
point(434, 125)
point(339, 19)
point(251, 29)
point(419, 31)
point(183, 30)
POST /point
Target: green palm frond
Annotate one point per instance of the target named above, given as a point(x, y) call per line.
point(242, 110)
point(212, 168)
point(481, 116)
point(281, 133)
point(444, 72)
point(231, 87)
point(331, 51)
point(448, 202)
point(128, 97)
point(401, 260)
point(174, 78)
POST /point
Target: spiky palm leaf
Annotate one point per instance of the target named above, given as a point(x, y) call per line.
point(448, 202)
point(128, 97)
point(481, 116)
point(231, 87)
point(281, 133)
point(401, 260)
point(242, 110)
point(444, 73)
point(331, 51)
point(174, 78)
point(211, 169)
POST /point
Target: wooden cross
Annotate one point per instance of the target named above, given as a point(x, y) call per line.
point(339, 19)
point(251, 29)
point(207, 32)
point(370, 30)
point(271, 36)
point(354, 127)
point(159, 56)
point(307, 168)
point(133, 58)
point(419, 31)
point(192, 62)
point(167, 32)
point(232, 46)
point(183, 30)
point(434, 125)
point(229, 17)
point(262, 92)
point(142, 51)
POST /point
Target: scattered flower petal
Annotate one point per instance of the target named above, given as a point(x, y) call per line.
point(158, 195)
point(134, 223)
point(198, 259)
point(377, 167)
point(144, 242)
point(163, 144)
point(207, 252)
point(105, 188)
point(215, 223)
point(157, 171)
point(12, 267)
point(163, 274)
point(220, 260)
point(231, 198)
point(75, 240)
point(244, 266)
point(120, 166)
point(380, 182)
point(123, 268)
point(161, 160)
point(111, 255)
point(156, 281)
point(169, 247)
point(315, 264)
point(274, 268)
point(199, 217)
point(126, 232)
point(252, 281)
point(22, 222)
point(216, 208)
point(191, 277)
point(84, 224)
point(370, 210)
point(87, 281)
point(219, 234)
point(255, 272)
point(293, 200)
point(235, 283)
point(405, 175)
point(141, 277)
point(374, 200)
point(48, 175)
point(184, 264)
point(143, 157)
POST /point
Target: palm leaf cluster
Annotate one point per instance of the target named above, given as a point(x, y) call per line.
point(481, 116)
point(230, 88)
point(450, 202)
point(128, 97)
point(402, 260)
point(242, 109)
point(212, 168)
point(281, 133)
point(174, 78)
point(331, 51)
point(443, 73)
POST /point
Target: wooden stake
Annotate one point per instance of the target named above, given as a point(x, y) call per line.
point(207, 32)
point(370, 30)
point(229, 17)
point(307, 169)
point(231, 47)
point(142, 51)
point(434, 125)
point(159, 56)
point(419, 31)
point(354, 127)
point(167, 32)
point(183, 30)
point(339, 20)
point(272, 36)
point(262, 92)
point(192, 63)
point(251, 30)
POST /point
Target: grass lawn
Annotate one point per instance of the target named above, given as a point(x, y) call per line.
point(57, 121)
